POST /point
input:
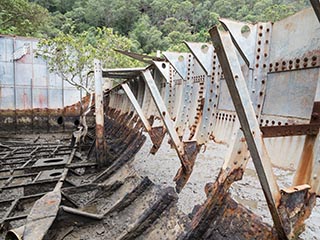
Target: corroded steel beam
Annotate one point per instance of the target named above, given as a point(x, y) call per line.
point(186, 151)
point(279, 68)
point(101, 146)
point(249, 124)
point(157, 133)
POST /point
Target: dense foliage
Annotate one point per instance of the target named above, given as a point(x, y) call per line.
point(150, 24)
point(72, 56)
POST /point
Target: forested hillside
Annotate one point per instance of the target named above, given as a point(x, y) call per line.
point(149, 24)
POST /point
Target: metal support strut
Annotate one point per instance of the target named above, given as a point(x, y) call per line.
point(186, 158)
point(100, 140)
point(249, 124)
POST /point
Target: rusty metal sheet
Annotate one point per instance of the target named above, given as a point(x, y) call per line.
point(24, 79)
point(22, 52)
point(164, 68)
point(40, 98)
point(70, 96)
point(26, 85)
point(55, 99)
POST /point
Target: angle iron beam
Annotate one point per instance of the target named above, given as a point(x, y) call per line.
point(164, 113)
point(136, 106)
point(249, 124)
point(155, 138)
point(187, 152)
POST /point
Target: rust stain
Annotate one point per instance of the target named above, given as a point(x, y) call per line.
point(191, 151)
point(304, 170)
point(42, 100)
point(294, 208)
point(221, 216)
point(156, 134)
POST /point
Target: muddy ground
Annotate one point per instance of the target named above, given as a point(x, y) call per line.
point(162, 167)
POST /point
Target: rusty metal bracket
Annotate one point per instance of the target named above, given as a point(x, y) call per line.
point(249, 124)
point(295, 130)
point(187, 158)
point(290, 130)
point(295, 206)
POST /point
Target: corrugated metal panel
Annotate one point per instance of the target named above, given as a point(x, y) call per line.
point(27, 86)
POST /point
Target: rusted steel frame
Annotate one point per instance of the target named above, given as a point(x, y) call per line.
point(315, 171)
point(186, 152)
point(235, 160)
point(213, 209)
point(18, 176)
point(307, 171)
point(316, 7)
point(290, 130)
point(295, 206)
point(249, 124)
point(14, 202)
point(164, 114)
point(295, 130)
point(14, 218)
point(133, 100)
point(304, 170)
point(101, 145)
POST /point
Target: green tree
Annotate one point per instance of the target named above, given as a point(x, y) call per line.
point(204, 18)
point(260, 6)
point(277, 12)
point(62, 6)
point(148, 36)
point(23, 18)
point(160, 10)
point(172, 24)
point(183, 10)
point(119, 15)
point(71, 57)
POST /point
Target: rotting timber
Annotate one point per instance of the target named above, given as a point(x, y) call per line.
point(255, 88)
point(111, 203)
